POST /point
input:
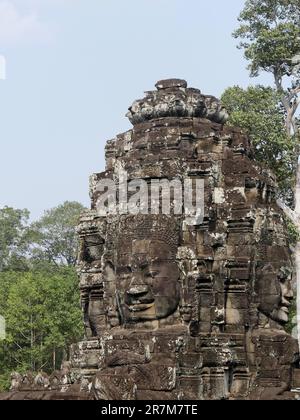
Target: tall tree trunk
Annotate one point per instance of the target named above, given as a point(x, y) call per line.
point(297, 262)
point(297, 249)
point(54, 359)
point(31, 342)
point(289, 122)
point(297, 191)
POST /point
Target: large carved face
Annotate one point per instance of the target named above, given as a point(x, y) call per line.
point(274, 288)
point(147, 284)
point(93, 248)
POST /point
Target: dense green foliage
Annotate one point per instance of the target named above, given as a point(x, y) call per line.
point(258, 112)
point(39, 296)
point(270, 35)
point(13, 243)
point(53, 237)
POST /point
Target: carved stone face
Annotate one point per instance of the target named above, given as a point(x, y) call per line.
point(93, 248)
point(275, 292)
point(148, 286)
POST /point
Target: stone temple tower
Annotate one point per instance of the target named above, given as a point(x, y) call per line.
point(187, 311)
point(176, 310)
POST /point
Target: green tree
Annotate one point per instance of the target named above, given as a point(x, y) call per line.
point(13, 245)
point(258, 112)
point(270, 37)
point(39, 296)
point(43, 318)
point(54, 237)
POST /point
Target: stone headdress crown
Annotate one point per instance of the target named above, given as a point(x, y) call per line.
point(155, 227)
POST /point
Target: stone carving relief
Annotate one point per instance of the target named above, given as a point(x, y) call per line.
point(147, 272)
point(92, 244)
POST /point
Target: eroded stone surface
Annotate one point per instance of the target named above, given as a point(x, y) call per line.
point(174, 311)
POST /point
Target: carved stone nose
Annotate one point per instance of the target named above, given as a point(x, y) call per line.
point(139, 290)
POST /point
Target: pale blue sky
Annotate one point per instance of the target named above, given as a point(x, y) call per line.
point(75, 66)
